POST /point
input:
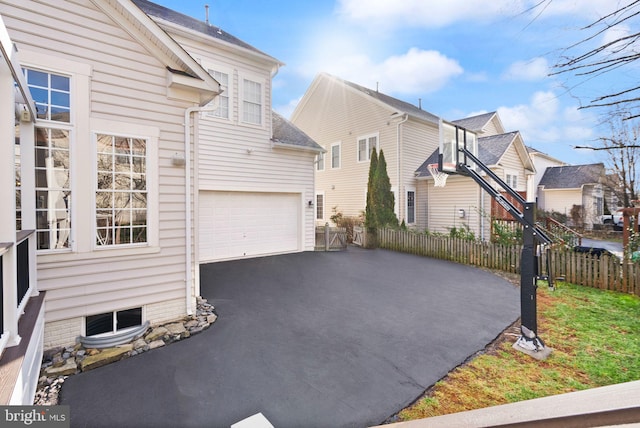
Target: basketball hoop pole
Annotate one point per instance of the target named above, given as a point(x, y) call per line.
point(529, 342)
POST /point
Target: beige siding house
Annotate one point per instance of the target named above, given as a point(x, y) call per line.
point(149, 147)
point(348, 120)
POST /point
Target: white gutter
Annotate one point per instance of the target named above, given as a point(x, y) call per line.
point(187, 186)
point(399, 162)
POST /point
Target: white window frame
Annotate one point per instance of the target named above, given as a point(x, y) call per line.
point(511, 177)
point(151, 135)
point(79, 104)
point(324, 203)
point(367, 139)
point(242, 77)
point(321, 160)
point(339, 146)
point(227, 93)
point(410, 190)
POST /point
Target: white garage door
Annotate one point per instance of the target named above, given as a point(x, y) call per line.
point(243, 224)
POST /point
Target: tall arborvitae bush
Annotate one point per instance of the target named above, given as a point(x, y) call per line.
point(385, 201)
point(379, 211)
point(370, 214)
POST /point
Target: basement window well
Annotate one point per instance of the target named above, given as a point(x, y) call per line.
point(113, 328)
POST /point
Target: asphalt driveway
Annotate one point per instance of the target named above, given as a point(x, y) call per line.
point(309, 339)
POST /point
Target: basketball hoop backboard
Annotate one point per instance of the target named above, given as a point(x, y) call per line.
point(452, 139)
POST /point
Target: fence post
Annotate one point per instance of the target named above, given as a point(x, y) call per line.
point(326, 236)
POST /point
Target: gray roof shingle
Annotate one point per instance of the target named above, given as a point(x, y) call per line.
point(161, 12)
point(286, 133)
point(572, 176)
point(475, 123)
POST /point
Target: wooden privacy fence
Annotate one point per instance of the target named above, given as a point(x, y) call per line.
point(330, 238)
point(604, 271)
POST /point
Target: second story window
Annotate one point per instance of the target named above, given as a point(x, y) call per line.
point(223, 99)
point(51, 93)
point(252, 102)
point(335, 156)
point(366, 144)
point(512, 180)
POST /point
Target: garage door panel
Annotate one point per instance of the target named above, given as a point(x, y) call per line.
point(243, 224)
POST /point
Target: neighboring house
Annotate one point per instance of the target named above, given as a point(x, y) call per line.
point(575, 191)
point(462, 202)
point(542, 161)
point(348, 120)
point(155, 149)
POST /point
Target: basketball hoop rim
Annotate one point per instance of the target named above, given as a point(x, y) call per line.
point(439, 177)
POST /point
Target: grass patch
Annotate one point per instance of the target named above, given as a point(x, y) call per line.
point(596, 342)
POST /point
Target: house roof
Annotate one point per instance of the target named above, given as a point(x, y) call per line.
point(490, 151)
point(535, 152)
point(492, 148)
point(166, 14)
point(572, 176)
point(183, 71)
point(286, 134)
point(475, 123)
point(401, 106)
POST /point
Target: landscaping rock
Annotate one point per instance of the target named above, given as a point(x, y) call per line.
point(156, 333)
point(108, 355)
point(67, 369)
point(156, 344)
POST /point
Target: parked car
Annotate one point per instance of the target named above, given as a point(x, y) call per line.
point(614, 218)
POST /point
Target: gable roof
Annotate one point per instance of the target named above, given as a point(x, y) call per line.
point(399, 106)
point(286, 134)
point(535, 152)
point(160, 12)
point(490, 150)
point(572, 176)
point(183, 70)
point(476, 123)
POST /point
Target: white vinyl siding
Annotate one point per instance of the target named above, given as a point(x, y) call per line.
point(112, 76)
point(352, 115)
point(444, 203)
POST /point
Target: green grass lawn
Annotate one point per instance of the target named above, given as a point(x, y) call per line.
point(595, 336)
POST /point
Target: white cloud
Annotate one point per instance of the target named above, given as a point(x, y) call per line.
point(416, 71)
point(535, 69)
point(543, 120)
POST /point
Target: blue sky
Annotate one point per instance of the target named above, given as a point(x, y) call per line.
point(460, 57)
